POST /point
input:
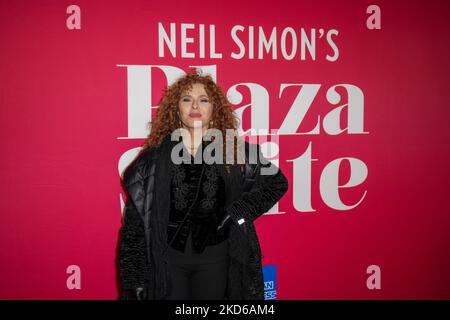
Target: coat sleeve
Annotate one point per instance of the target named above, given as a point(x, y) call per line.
point(132, 250)
point(269, 186)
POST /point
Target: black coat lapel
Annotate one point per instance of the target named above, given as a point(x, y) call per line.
point(161, 190)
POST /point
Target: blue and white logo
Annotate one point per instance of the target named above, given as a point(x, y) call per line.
point(270, 282)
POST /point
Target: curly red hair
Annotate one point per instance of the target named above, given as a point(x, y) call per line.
point(167, 120)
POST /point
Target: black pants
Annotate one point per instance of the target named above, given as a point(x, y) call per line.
point(199, 276)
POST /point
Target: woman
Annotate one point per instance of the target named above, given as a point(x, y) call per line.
point(188, 229)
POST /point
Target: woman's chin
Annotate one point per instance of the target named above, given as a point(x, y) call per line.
point(195, 124)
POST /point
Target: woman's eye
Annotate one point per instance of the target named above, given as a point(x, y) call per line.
point(189, 100)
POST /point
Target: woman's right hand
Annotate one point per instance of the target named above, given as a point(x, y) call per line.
point(138, 293)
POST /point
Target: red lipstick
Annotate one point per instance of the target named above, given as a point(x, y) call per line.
point(195, 115)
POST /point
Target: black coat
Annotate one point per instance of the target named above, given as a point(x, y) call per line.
point(143, 236)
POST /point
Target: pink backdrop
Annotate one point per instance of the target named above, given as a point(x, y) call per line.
point(68, 117)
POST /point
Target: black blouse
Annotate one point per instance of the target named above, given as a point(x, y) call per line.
point(208, 209)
